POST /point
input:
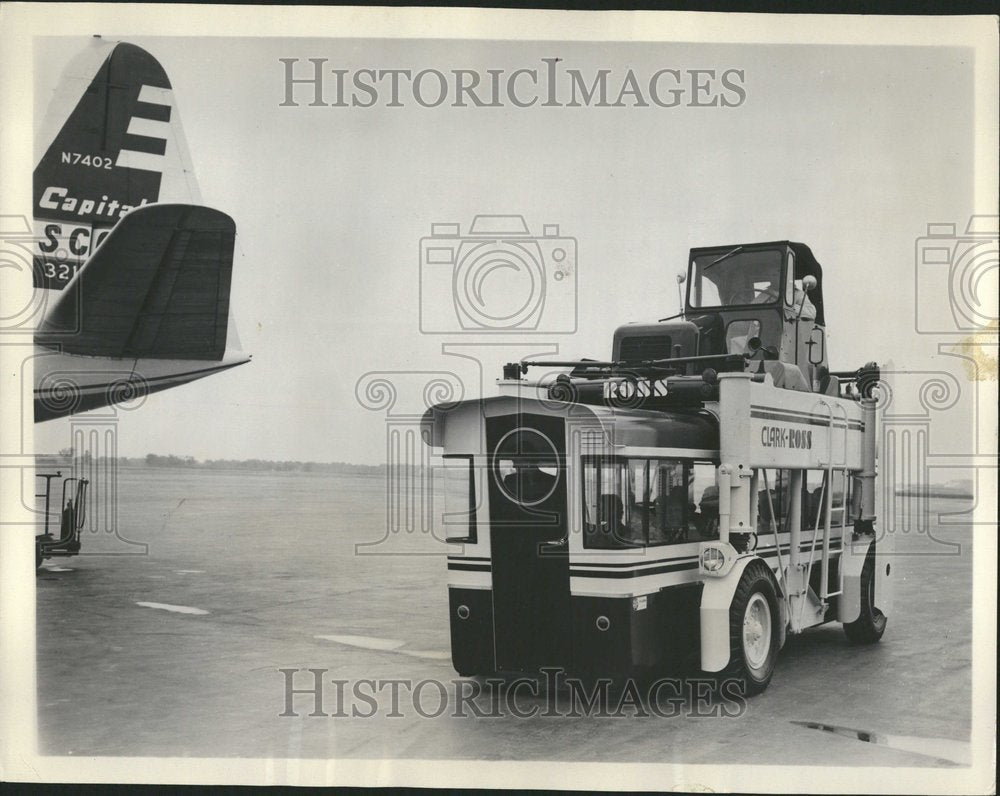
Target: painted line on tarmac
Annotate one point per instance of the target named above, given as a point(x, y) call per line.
point(947, 751)
point(435, 655)
point(386, 645)
point(366, 642)
point(177, 609)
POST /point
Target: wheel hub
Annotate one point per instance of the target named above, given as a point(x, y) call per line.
point(757, 631)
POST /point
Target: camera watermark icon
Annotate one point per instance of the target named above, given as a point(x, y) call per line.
point(956, 277)
point(497, 278)
point(50, 312)
point(18, 262)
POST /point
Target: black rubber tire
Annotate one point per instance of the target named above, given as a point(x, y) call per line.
point(38, 557)
point(870, 624)
point(756, 579)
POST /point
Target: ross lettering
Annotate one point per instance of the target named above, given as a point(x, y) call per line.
point(628, 389)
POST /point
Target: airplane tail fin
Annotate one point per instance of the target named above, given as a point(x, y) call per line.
point(120, 146)
point(158, 287)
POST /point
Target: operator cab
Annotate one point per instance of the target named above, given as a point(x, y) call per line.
point(762, 301)
point(743, 288)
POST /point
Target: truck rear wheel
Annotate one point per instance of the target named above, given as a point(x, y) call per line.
point(870, 624)
point(754, 632)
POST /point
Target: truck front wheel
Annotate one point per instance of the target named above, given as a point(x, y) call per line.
point(753, 630)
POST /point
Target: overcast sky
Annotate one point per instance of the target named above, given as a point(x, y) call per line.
point(852, 150)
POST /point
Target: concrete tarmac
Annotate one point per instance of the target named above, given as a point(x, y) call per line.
point(176, 648)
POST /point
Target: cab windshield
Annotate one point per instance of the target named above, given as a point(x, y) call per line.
point(736, 278)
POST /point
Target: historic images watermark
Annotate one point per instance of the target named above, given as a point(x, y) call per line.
point(309, 693)
point(319, 82)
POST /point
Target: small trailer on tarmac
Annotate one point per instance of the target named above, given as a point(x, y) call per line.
point(72, 515)
point(711, 488)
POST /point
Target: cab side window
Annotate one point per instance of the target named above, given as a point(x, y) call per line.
point(738, 334)
point(612, 515)
point(648, 502)
point(772, 500)
point(454, 502)
point(705, 501)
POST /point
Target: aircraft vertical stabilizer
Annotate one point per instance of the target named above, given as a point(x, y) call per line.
point(120, 146)
point(134, 272)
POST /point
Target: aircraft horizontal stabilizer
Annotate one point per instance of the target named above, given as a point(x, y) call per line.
point(156, 288)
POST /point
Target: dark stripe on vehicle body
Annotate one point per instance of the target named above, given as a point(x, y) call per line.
point(581, 571)
point(634, 573)
point(806, 418)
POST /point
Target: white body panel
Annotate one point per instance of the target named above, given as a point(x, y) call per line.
point(716, 598)
point(786, 428)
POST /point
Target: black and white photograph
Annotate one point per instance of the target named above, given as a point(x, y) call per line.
point(498, 398)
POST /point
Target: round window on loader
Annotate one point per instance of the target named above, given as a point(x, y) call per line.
point(526, 466)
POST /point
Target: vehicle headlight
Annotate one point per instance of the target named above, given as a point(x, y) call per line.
point(712, 559)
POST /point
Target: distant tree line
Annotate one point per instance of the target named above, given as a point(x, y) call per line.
point(961, 488)
point(154, 460)
point(65, 458)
